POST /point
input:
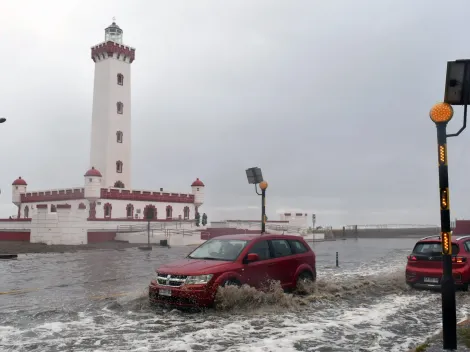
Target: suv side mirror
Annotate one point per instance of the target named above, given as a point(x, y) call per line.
point(252, 257)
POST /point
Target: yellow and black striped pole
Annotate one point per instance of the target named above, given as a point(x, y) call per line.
point(441, 114)
point(263, 185)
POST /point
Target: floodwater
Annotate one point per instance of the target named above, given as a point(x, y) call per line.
point(97, 301)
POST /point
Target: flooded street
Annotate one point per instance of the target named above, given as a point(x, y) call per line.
point(97, 301)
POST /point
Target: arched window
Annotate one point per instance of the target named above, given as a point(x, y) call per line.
point(119, 136)
point(120, 107)
point(186, 213)
point(130, 211)
point(120, 79)
point(169, 212)
point(26, 212)
point(150, 211)
point(92, 212)
point(107, 210)
point(119, 166)
point(53, 208)
point(118, 184)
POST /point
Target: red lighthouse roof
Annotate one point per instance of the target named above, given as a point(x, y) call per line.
point(19, 182)
point(93, 172)
point(197, 183)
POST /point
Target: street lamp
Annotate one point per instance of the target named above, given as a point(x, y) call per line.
point(149, 215)
point(457, 91)
point(255, 176)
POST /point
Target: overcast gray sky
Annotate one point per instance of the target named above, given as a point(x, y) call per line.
point(329, 98)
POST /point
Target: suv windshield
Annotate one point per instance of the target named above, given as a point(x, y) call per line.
point(219, 249)
point(433, 248)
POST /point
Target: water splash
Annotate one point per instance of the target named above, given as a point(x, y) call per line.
point(323, 290)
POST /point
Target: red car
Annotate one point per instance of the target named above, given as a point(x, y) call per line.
point(424, 268)
point(232, 260)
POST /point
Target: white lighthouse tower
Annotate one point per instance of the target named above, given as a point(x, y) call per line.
point(111, 116)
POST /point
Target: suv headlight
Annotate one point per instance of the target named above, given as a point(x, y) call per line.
point(198, 280)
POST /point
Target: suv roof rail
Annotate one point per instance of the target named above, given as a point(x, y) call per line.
point(425, 238)
point(462, 237)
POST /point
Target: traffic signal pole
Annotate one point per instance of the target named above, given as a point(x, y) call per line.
point(449, 315)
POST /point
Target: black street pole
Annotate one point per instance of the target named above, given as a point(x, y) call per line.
point(148, 233)
point(263, 210)
point(449, 316)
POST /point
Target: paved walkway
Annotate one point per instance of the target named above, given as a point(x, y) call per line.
point(434, 344)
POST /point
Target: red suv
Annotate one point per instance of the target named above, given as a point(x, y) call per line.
point(232, 260)
point(424, 268)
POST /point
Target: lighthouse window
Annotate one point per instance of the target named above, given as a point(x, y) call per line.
point(119, 136)
point(120, 107)
point(120, 79)
point(119, 166)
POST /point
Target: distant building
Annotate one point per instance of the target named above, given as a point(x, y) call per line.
point(106, 201)
point(295, 218)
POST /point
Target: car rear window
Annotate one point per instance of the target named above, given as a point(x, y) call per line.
point(297, 246)
point(281, 248)
point(433, 248)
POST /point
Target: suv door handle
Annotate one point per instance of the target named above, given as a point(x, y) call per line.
point(271, 264)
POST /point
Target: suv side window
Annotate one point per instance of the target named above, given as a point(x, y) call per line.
point(281, 248)
point(467, 246)
point(298, 247)
point(262, 249)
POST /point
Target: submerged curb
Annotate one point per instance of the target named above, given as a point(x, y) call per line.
point(8, 256)
point(432, 340)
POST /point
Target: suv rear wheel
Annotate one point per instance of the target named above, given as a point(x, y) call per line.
point(304, 282)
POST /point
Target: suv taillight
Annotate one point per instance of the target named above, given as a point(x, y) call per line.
point(459, 260)
point(411, 258)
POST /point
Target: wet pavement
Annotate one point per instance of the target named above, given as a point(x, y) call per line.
point(96, 300)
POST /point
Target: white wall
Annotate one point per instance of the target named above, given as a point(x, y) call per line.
point(178, 239)
point(33, 206)
point(15, 225)
point(119, 208)
point(63, 227)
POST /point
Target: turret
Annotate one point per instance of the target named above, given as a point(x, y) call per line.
point(198, 191)
point(93, 180)
point(18, 188)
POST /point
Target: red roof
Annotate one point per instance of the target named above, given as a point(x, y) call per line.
point(198, 183)
point(93, 172)
point(19, 182)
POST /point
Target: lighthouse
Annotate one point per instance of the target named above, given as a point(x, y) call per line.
point(111, 114)
point(106, 202)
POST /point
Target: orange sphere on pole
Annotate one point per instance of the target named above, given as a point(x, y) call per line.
point(263, 185)
point(441, 113)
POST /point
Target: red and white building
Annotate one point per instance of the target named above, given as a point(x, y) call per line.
point(106, 204)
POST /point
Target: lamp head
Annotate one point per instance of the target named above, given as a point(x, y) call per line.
point(441, 113)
